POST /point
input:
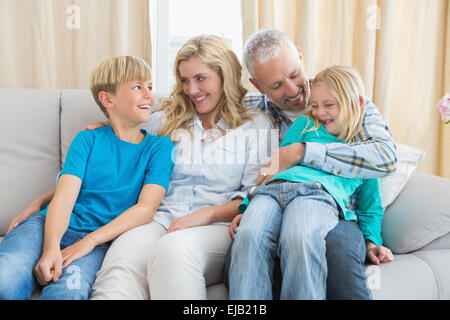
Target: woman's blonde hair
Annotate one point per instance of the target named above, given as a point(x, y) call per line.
point(110, 73)
point(346, 85)
point(217, 55)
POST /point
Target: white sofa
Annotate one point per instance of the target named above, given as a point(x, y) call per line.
point(37, 125)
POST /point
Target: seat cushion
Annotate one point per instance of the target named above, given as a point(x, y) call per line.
point(421, 275)
point(29, 148)
point(78, 109)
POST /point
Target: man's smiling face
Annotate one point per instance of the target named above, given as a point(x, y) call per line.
point(283, 79)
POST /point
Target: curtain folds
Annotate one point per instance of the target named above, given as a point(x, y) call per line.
point(57, 43)
point(401, 48)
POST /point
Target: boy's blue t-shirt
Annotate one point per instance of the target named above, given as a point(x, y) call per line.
point(113, 173)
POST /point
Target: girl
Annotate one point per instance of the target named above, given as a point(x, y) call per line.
point(292, 213)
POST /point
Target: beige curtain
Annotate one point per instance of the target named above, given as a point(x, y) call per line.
point(400, 47)
point(57, 43)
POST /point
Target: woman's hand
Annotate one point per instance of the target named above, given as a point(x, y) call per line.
point(95, 125)
point(34, 207)
point(378, 254)
point(77, 250)
point(201, 217)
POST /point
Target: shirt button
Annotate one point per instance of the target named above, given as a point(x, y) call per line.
point(312, 162)
point(337, 172)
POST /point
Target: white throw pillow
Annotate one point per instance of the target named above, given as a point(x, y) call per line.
point(408, 158)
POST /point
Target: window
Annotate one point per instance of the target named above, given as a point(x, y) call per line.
point(175, 21)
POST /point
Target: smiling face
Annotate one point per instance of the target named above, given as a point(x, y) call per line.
point(202, 85)
point(283, 79)
point(325, 108)
point(132, 102)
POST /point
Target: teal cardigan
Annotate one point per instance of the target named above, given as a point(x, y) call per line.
point(369, 212)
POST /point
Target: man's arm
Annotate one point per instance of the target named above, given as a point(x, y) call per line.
point(142, 212)
point(372, 155)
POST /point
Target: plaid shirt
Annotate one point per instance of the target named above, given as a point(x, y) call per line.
point(371, 155)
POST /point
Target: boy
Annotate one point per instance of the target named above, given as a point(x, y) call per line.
point(113, 180)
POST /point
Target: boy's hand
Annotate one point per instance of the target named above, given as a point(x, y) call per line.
point(77, 250)
point(378, 254)
point(49, 267)
point(95, 125)
point(234, 224)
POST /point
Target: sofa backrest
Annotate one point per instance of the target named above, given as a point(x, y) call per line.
point(36, 128)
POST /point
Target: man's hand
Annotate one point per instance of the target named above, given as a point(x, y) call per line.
point(378, 254)
point(49, 267)
point(95, 125)
point(234, 224)
point(282, 159)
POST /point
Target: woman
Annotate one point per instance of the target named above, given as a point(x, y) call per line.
point(220, 148)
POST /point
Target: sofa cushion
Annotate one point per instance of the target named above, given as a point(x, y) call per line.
point(419, 275)
point(419, 215)
point(408, 159)
point(29, 148)
point(78, 109)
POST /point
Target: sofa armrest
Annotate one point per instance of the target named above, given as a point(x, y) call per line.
point(419, 215)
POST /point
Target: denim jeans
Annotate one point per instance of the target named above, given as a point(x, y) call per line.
point(291, 221)
point(21, 249)
point(346, 252)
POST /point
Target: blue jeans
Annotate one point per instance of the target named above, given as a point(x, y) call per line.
point(21, 249)
point(291, 221)
point(346, 253)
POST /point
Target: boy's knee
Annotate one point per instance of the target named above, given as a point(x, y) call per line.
point(11, 282)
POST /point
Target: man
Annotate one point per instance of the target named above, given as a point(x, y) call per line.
point(276, 69)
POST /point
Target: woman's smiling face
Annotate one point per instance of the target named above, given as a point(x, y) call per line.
point(202, 85)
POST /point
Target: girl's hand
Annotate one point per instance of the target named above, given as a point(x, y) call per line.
point(77, 250)
point(378, 254)
point(49, 267)
point(235, 224)
point(201, 217)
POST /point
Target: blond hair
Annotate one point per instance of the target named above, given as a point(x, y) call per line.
point(112, 72)
point(217, 55)
point(346, 85)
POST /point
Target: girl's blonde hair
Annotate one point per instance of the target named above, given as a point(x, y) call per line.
point(346, 85)
point(214, 52)
point(116, 70)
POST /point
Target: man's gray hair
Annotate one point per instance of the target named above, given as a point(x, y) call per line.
point(263, 46)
